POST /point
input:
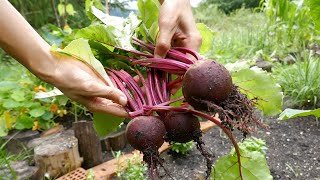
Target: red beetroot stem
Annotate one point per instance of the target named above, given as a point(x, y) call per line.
point(164, 86)
point(145, 84)
point(179, 56)
point(174, 83)
point(175, 54)
point(130, 88)
point(154, 96)
point(131, 102)
point(169, 79)
point(135, 85)
point(166, 103)
point(189, 51)
point(169, 62)
point(157, 84)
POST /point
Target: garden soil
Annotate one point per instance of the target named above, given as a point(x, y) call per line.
point(293, 151)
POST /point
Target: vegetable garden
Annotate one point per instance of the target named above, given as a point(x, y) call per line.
point(255, 77)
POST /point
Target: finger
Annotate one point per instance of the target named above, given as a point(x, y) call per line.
point(167, 27)
point(103, 106)
point(95, 89)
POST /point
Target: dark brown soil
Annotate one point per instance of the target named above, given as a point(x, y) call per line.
point(293, 151)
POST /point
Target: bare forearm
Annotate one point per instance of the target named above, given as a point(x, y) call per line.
point(22, 42)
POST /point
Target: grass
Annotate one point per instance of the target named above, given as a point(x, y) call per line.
point(300, 81)
point(237, 36)
point(7, 158)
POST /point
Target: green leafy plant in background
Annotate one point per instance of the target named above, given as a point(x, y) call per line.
point(182, 148)
point(6, 158)
point(18, 108)
point(290, 24)
point(300, 81)
point(132, 168)
point(232, 5)
point(254, 163)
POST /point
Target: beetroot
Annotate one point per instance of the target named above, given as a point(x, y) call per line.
point(206, 80)
point(182, 127)
point(146, 133)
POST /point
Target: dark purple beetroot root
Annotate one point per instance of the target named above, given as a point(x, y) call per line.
point(183, 127)
point(146, 134)
point(206, 80)
point(208, 86)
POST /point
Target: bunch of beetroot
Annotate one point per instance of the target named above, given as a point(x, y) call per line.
point(207, 89)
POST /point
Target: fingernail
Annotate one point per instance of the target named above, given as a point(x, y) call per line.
point(123, 100)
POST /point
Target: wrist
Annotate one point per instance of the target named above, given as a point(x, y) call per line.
point(44, 64)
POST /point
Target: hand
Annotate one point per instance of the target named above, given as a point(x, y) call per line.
point(177, 27)
point(80, 83)
point(75, 79)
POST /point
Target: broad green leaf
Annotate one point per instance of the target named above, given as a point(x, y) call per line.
point(207, 37)
point(70, 10)
point(148, 11)
point(6, 86)
point(37, 112)
point(253, 161)
point(61, 9)
point(18, 95)
point(47, 115)
point(314, 11)
point(24, 122)
point(80, 49)
point(62, 100)
point(153, 31)
point(100, 33)
point(88, 7)
point(122, 29)
point(292, 113)
point(106, 123)
point(10, 104)
point(255, 82)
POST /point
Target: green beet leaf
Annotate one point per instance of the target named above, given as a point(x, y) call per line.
point(99, 32)
point(292, 113)
point(80, 49)
point(148, 11)
point(117, 29)
point(106, 123)
point(253, 161)
point(207, 37)
point(255, 82)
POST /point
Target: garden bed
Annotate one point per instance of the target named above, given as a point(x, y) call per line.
point(293, 151)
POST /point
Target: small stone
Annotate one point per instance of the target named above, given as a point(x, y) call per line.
point(265, 65)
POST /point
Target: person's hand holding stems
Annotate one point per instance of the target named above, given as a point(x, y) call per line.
point(177, 27)
point(75, 79)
